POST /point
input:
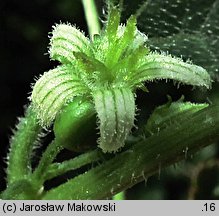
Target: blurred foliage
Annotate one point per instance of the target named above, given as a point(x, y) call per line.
point(205, 181)
point(187, 28)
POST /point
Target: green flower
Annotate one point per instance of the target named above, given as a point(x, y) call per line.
point(106, 71)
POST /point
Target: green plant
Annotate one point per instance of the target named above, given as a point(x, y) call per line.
point(101, 76)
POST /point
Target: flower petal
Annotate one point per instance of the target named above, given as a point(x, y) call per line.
point(66, 40)
point(116, 112)
point(53, 90)
point(157, 66)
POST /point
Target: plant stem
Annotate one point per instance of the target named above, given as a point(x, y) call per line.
point(47, 158)
point(21, 189)
point(91, 17)
point(143, 159)
point(57, 169)
point(21, 147)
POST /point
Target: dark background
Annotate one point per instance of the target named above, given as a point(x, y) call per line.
point(24, 27)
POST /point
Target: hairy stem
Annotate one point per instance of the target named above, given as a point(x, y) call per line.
point(19, 190)
point(47, 158)
point(57, 169)
point(143, 159)
point(91, 17)
point(21, 147)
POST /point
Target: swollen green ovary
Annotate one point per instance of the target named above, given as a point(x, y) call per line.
point(75, 126)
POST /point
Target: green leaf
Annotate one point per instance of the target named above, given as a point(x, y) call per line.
point(116, 111)
point(53, 90)
point(65, 40)
point(170, 113)
point(157, 66)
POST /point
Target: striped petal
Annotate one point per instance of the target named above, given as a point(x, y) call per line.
point(52, 91)
point(116, 111)
point(157, 66)
point(66, 40)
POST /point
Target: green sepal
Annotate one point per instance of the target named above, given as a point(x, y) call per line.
point(75, 126)
point(157, 66)
point(93, 69)
point(53, 90)
point(121, 42)
point(65, 40)
point(126, 66)
point(116, 111)
point(89, 63)
point(170, 113)
point(112, 24)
